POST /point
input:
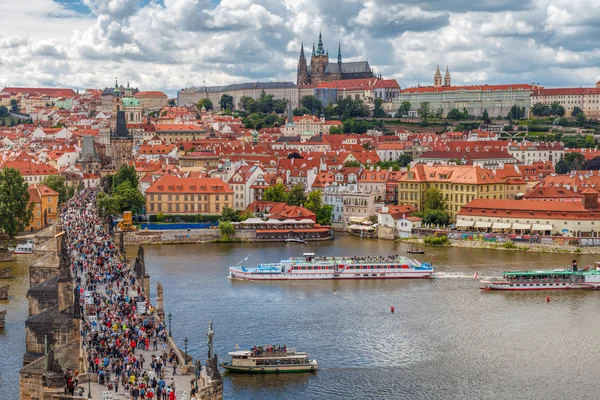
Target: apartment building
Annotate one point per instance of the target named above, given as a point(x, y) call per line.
point(45, 207)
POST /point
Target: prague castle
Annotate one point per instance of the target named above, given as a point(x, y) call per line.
point(321, 70)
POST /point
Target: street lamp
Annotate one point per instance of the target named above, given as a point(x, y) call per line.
point(185, 343)
point(89, 387)
point(170, 316)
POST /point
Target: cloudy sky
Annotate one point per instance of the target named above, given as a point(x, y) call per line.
point(170, 44)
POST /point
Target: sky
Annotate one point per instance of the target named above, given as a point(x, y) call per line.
point(171, 44)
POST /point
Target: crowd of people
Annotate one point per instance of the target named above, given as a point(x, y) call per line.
point(117, 319)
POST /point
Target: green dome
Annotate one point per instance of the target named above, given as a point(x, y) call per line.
point(130, 102)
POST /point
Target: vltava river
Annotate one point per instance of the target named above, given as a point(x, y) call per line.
point(446, 340)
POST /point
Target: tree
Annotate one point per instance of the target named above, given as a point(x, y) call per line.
point(336, 130)
point(433, 200)
point(275, 193)
point(562, 167)
point(315, 204)
point(352, 163)
point(226, 102)
point(367, 146)
point(580, 117)
point(16, 212)
point(126, 173)
point(243, 103)
point(4, 112)
point(311, 103)
point(593, 164)
point(403, 109)
point(297, 195)
point(14, 106)
point(439, 113)
point(226, 229)
point(575, 161)
point(228, 214)
point(424, 111)
point(436, 217)
point(330, 111)
point(405, 160)
point(160, 217)
point(58, 184)
point(280, 106)
point(454, 114)
point(575, 112)
point(128, 198)
point(298, 112)
point(205, 103)
point(378, 111)
point(171, 103)
point(486, 117)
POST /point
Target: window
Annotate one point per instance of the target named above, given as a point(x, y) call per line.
point(49, 199)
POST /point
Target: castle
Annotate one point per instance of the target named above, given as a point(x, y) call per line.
point(321, 70)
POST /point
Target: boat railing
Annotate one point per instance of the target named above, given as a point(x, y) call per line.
point(273, 353)
point(547, 280)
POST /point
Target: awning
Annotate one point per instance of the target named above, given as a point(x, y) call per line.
point(357, 219)
point(361, 227)
point(521, 227)
point(501, 225)
point(464, 224)
point(481, 224)
point(542, 227)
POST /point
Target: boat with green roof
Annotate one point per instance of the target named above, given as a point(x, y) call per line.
point(555, 279)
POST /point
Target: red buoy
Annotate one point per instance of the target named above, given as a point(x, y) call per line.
point(547, 299)
point(392, 309)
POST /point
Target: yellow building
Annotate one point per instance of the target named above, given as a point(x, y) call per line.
point(174, 195)
point(45, 208)
point(458, 184)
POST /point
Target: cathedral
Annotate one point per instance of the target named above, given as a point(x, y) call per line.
point(321, 70)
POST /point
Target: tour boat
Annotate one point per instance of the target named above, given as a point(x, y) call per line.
point(269, 361)
point(24, 248)
point(415, 251)
point(309, 267)
point(555, 279)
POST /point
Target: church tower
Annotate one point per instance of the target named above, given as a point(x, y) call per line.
point(318, 63)
point(447, 80)
point(437, 78)
point(121, 142)
point(302, 68)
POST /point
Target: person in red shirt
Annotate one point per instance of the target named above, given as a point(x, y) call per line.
point(172, 395)
point(132, 344)
point(147, 343)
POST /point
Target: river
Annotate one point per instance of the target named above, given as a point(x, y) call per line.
point(446, 340)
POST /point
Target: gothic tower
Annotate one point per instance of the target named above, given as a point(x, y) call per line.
point(318, 63)
point(437, 78)
point(447, 80)
point(302, 68)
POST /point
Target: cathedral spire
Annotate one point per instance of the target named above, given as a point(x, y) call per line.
point(302, 50)
point(339, 53)
point(320, 50)
point(313, 53)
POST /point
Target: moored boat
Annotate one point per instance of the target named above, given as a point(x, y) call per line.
point(269, 360)
point(415, 250)
point(23, 248)
point(311, 267)
point(555, 279)
point(295, 240)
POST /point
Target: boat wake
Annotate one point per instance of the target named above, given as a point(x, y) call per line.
point(461, 275)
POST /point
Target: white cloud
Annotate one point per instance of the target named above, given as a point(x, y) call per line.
point(170, 44)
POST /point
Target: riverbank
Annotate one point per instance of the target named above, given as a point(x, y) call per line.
point(510, 246)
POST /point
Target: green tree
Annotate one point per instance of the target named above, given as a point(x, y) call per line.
point(275, 193)
point(424, 111)
point(171, 103)
point(160, 217)
point(311, 103)
point(436, 217)
point(403, 109)
point(405, 160)
point(352, 163)
point(228, 214)
point(439, 113)
point(126, 173)
point(226, 102)
point(243, 103)
point(298, 112)
point(336, 130)
point(580, 117)
point(280, 106)
point(16, 212)
point(14, 106)
point(433, 200)
point(58, 184)
point(349, 108)
point(226, 229)
point(128, 198)
point(454, 114)
point(575, 112)
point(4, 112)
point(296, 196)
point(206, 103)
point(315, 204)
point(378, 111)
point(330, 111)
point(575, 161)
point(486, 117)
point(562, 167)
point(245, 215)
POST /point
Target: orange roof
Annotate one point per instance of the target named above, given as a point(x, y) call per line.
point(150, 94)
point(47, 91)
point(173, 184)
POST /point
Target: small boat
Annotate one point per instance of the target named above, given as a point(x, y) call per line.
point(553, 279)
point(23, 248)
point(5, 272)
point(415, 250)
point(4, 292)
point(295, 240)
point(269, 360)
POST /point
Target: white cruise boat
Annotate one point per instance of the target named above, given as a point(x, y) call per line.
point(311, 267)
point(269, 360)
point(23, 248)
